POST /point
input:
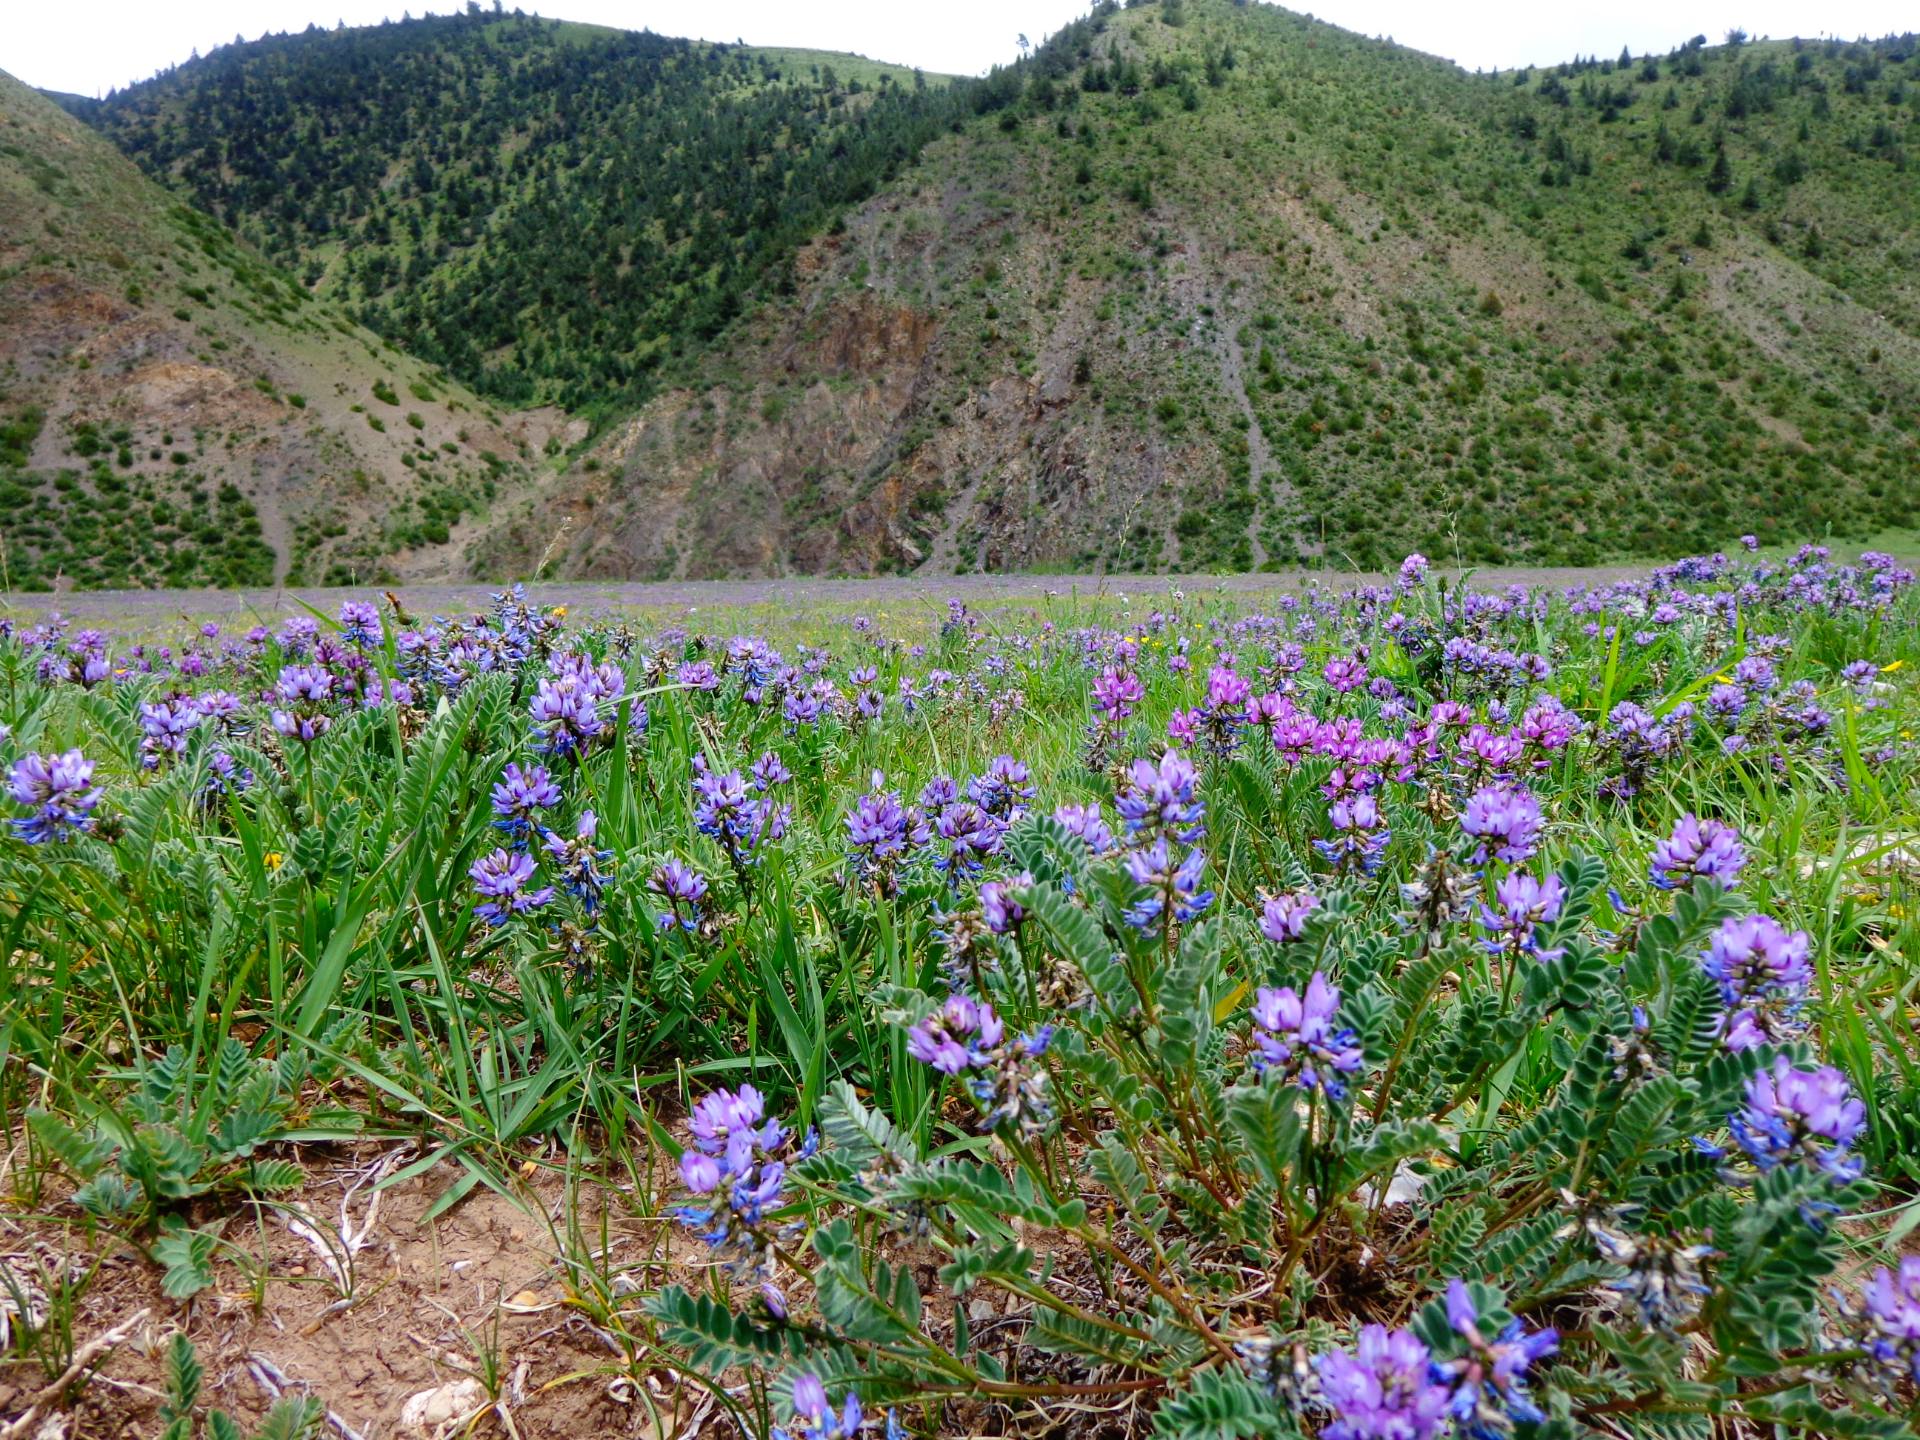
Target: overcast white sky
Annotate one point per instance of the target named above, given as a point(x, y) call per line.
point(89, 46)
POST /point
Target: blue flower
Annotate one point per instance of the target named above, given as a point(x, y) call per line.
point(1296, 1036)
point(1490, 1381)
point(815, 1418)
point(360, 623)
point(965, 1037)
point(736, 1168)
point(1793, 1114)
point(1163, 798)
point(566, 716)
point(578, 861)
point(680, 885)
point(1170, 886)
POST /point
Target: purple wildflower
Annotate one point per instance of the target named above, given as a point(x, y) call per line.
point(965, 1037)
point(1636, 742)
point(1295, 736)
point(740, 822)
point(1547, 728)
point(222, 709)
point(164, 727)
point(738, 1158)
point(998, 908)
point(814, 1417)
point(1284, 917)
point(1005, 791)
point(1522, 903)
point(1163, 797)
point(1763, 971)
point(1506, 821)
point(1360, 835)
point(679, 884)
point(1089, 824)
point(1490, 1381)
point(301, 692)
point(880, 829)
point(520, 794)
point(578, 859)
point(768, 771)
point(360, 623)
point(225, 776)
point(566, 715)
point(1344, 673)
point(698, 675)
point(1170, 887)
point(60, 791)
point(936, 795)
point(1226, 711)
point(1384, 1389)
point(1793, 1114)
point(503, 878)
point(1296, 1036)
point(1117, 692)
point(1892, 1308)
point(1702, 848)
point(965, 835)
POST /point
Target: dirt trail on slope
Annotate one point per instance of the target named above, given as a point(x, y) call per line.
point(1233, 375)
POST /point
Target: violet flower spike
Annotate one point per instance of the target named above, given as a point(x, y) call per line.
point(1706, 849)
point(504, 878)
point(1490, 1383)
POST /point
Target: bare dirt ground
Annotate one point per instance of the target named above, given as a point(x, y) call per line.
point(791, 597)
point(358, 1297)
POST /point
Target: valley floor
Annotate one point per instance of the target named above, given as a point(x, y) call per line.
point(132, 607)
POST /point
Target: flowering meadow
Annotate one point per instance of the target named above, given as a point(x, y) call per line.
point(1407, 1011)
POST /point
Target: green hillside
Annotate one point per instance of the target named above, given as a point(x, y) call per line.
point(1229, 287)
point(552, 211)
point(1200, 284)
point(175, 410)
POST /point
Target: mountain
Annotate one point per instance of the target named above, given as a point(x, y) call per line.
point(551, 211)
point(1199, 284)
point(175, 410)
point(1227, 287)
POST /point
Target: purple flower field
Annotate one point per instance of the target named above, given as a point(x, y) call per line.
point(1415, 1008)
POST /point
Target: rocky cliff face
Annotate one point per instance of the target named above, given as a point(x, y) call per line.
point(904, 412)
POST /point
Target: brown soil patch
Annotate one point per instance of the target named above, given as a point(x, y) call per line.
point(430, 1298)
